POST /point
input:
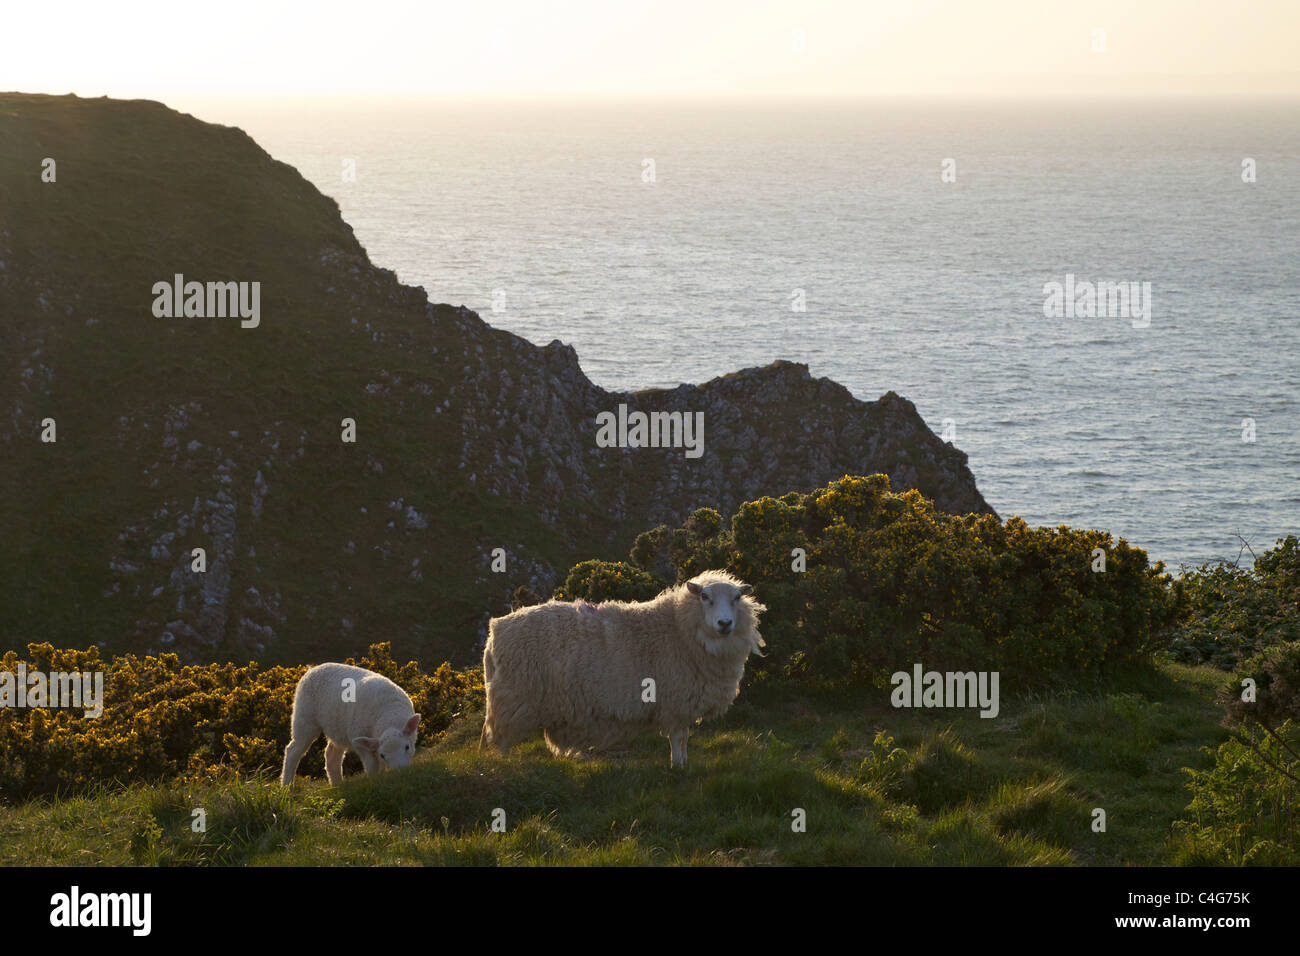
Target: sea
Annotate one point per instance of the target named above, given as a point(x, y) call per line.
point(909, 245)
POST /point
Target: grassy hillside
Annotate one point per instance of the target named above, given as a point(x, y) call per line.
point(878, 785)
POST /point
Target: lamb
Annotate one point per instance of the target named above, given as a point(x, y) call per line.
point(356, 709)
point(589, 676)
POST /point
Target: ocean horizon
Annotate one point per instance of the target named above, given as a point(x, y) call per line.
point(906, 245)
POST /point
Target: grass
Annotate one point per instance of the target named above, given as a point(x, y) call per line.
point(875, 785)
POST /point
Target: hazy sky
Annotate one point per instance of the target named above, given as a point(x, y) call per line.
point(671, 47)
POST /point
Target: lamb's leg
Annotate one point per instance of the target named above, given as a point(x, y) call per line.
point(334, 754)
point(302, 739)
point(370, 761)
point(677, 741)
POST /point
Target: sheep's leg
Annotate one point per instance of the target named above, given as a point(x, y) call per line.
point(486, 738)
point(555, 742)
point(504, 728)
point(491, 735)
point(334, 754)
point(370, 761)
point(293, 754)
point(505, 739)
point(677, 741)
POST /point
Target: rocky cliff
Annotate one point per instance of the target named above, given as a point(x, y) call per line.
point(171, 434)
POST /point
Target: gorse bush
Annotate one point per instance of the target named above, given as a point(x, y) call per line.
point(161, 719)
point(890, 581)
point(608, 581)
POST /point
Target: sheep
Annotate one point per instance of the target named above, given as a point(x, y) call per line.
point(356, 709)
point(589, 676)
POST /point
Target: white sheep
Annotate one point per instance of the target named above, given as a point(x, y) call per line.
point(589, 675)
point(356, 709)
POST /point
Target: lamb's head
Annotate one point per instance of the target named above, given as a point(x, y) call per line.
point(395, 746)
point(729, 613)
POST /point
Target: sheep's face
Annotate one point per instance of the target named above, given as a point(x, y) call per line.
point(724, 610)
point(395, 747)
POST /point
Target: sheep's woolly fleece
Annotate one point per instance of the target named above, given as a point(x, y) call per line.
point(578, 672)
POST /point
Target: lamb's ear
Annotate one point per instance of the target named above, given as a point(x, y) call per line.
point(411, 725)
point(747, 589)
point(694, 588)
point(365, 743)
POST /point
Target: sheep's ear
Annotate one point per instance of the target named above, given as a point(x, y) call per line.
point(365, 743)
point(693, 588)
point(747, 589)
point(411, 725)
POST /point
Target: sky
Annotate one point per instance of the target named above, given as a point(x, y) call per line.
point(681, 48)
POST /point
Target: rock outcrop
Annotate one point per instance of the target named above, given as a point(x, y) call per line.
point(176, 434)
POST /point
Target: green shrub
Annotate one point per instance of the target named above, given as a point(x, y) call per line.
point(1244, 810)
point(1275, 672)
point(890, 581)
point(1225, 614)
